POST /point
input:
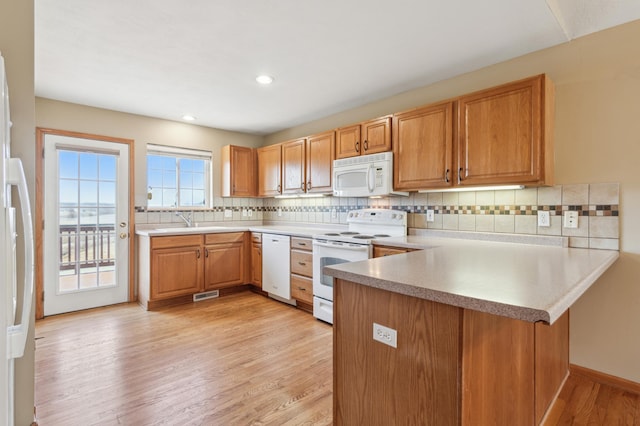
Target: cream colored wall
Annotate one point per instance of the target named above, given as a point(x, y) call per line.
point(79, 118)
point(16, 45)
point(597, 80)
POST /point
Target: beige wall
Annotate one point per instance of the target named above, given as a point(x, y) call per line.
point(597, 139)
point(16, 45)
point(79, 118)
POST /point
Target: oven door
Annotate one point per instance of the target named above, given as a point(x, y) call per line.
point(327, 253)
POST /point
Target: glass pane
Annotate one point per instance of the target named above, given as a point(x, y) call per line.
point(107, 193)
point(186, 180)
point(168, 197)
point(154, 178)
point(169, 180)
point(88, 217)
point(198, 197)
point(198, 166)
point(107, 217)
point(68, 217)
point(186, 165)
point(68, 193)
point(68, 164)
point(88, 166)
point(169, 163)
point(186, 197)
point(88, 193)
point(156, 198)
point(107, 167)
point(198, 180)
point(154, 162)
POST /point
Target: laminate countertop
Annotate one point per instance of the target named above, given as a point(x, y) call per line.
point(523, 281)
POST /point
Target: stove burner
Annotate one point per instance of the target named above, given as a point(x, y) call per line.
point(363, 237)
point(381, 235)
point(349, 233)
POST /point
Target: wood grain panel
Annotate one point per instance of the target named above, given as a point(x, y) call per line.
point(551, 361)
point(497, 370)
point(171, 241)
point(224, 265)
point(225, 237)
point(301, 263)
point(293, 167)
point(269, 160)
point(375, 384)
point(320, 156)
point(381, 251)
point(348, 142)
point(175, 271)
point(238, 171)
point(376, 135)
point(302, 288)
point(301, 244)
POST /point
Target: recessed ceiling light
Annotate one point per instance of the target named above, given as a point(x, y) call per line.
point(188, 118)
point(264, 79)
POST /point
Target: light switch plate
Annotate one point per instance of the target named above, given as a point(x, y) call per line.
point(570, 219)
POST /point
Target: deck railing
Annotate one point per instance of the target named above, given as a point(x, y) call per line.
point(87, 246)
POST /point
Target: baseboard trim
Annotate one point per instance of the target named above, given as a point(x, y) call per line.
point(607, 379)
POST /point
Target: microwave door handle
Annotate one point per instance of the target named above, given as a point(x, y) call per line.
point(371, 178)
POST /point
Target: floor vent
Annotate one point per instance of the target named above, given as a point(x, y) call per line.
point(206, 295)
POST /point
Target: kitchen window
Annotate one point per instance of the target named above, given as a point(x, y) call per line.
point(178, 177)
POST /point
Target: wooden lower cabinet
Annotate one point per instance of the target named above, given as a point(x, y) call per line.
point(451, 366)
point(176, 271)
point(256, 260)
point(224, 262)
point(173, 268)
point(302, 272)
point(382, 251)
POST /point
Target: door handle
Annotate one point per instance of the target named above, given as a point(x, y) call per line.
point(123, 224)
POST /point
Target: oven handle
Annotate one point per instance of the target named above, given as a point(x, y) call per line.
point(342, 247)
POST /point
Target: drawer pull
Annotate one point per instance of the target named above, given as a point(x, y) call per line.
point(302, 244)
point(302, 289)
point(302, 264)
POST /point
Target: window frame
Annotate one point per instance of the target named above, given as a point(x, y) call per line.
point(178, 154)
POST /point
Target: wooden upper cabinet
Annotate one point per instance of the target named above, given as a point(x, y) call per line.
point(423, 148)
point(320, 156)
point(368, 137)
point(269, 170)
point(293, 167)
point(505, 134)
point(238, 167)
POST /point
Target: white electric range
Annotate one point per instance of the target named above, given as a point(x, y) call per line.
point(353, 245)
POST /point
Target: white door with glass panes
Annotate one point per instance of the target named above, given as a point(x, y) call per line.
point(86, 223)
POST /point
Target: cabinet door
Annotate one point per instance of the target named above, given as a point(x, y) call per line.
point(223, 265)
point(376, 135)
point(348, 142)
point(256, 265)
point(269, 167)
point(175, 271)
point(243, 182)
point(320, 155)
point(423, 148)
point(293, 162)
point(501, 134)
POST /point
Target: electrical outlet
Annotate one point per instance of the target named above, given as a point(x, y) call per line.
point(385, 335)
point(334, 214)
point(431, 216)
point(279, 212)
point(570, 219)
point(250, 212)
point(544, 218)
point(228, 213)
point(244, 213)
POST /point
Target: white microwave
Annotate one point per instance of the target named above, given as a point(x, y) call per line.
point(364, 176)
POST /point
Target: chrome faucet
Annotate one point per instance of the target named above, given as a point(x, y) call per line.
point(187, 219)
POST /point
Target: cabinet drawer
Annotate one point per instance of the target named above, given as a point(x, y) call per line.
point(301, 244)
point(229, 237)
point(302, 288)
point(301, 263)
point(176, 241)
point(380, 251)
point(256, 237)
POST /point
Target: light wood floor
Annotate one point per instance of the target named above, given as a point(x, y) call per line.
point(237, 360)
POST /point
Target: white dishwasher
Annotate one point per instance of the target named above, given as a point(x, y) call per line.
point(276, 266)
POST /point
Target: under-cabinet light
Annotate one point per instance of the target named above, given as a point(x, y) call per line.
point(301, 196)
point(474, 188)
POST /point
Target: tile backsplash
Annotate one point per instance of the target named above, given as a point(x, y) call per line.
point(503, 211)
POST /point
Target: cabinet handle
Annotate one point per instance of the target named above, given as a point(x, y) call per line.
point(366, 144)
point(206, 252)
point(302, 289)
point(278, 188)
point(357, 146)
point(446, 176)
point(302, 263)
point(309, 186)
point(460, 174)
point(259, 253)
point(302, 186)
point(302, 244)
point(198, 253)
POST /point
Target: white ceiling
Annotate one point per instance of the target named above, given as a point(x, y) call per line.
point(165, 58)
